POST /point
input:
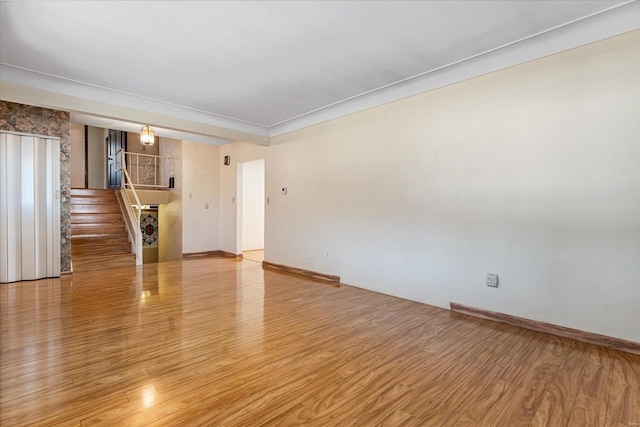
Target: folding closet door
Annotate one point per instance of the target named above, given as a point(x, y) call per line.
point(29, 207)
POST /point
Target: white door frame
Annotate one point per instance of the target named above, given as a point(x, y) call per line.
point(239, 202)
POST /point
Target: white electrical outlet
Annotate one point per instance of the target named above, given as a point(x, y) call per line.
point(326, 254)
point(492, 280)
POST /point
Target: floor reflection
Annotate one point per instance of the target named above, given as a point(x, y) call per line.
point(256, 255)
point(250, 305)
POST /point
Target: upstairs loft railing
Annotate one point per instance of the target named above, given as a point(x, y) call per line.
point(147, 170)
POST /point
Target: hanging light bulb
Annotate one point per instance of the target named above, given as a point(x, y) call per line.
point(147, 137)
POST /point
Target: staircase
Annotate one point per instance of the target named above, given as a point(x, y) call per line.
point(99, 239)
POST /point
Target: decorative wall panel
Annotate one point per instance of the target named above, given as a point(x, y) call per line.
point(149, 228)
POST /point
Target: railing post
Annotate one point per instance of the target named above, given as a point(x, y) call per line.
point(123, 178)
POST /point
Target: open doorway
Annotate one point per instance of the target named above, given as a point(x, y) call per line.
point(88, 156)
point(251, 197)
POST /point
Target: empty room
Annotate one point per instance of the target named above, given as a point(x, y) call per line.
point(353, 213)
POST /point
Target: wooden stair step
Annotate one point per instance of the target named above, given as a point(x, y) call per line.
point(107, 257)
point(95, 218)
point(106, 228)
point(103, 262)
point(110, 200)
point(103, 196)
point(109, 228)
point(97, 251)
point(98, 235)
point(99, 242)
point(91, 192)
point(101, 239)
point(95, 208)
point(117, 245)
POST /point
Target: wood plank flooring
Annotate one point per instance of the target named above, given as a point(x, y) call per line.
point(221, 342)
point(256, 255)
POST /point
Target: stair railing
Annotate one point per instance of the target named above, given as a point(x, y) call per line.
point(132, 218)
point(148, 170)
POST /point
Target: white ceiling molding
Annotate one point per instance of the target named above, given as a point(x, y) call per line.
point(105, 123)
point(29, 78)
point(55, 100)
point(618, 20)
point(20, 84)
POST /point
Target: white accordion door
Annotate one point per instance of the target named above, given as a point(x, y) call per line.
point(29, 207)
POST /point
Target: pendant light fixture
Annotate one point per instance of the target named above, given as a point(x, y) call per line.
point(147, 137)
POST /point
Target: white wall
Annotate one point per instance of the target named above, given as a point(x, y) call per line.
point(170, 215)
point(240, 152)
point(97, 157)
point(201, 197)
point(252, 204)
point(76, 131)
point(532, 172)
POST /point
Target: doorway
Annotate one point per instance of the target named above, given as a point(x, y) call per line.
point(251, 177)
point(116, 141)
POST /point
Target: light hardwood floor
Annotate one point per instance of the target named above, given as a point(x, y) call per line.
point(254, 255)
point(221, 342)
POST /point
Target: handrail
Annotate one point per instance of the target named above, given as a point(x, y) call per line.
point(135, 234)
point(124, 185)
point(133, 223)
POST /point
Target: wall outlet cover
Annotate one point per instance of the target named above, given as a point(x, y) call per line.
point(492, 280)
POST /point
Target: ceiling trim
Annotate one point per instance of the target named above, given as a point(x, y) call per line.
point(28, 86)
point(55, 100)
point(105, 123)
point(609, 23)
point(30, 78)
